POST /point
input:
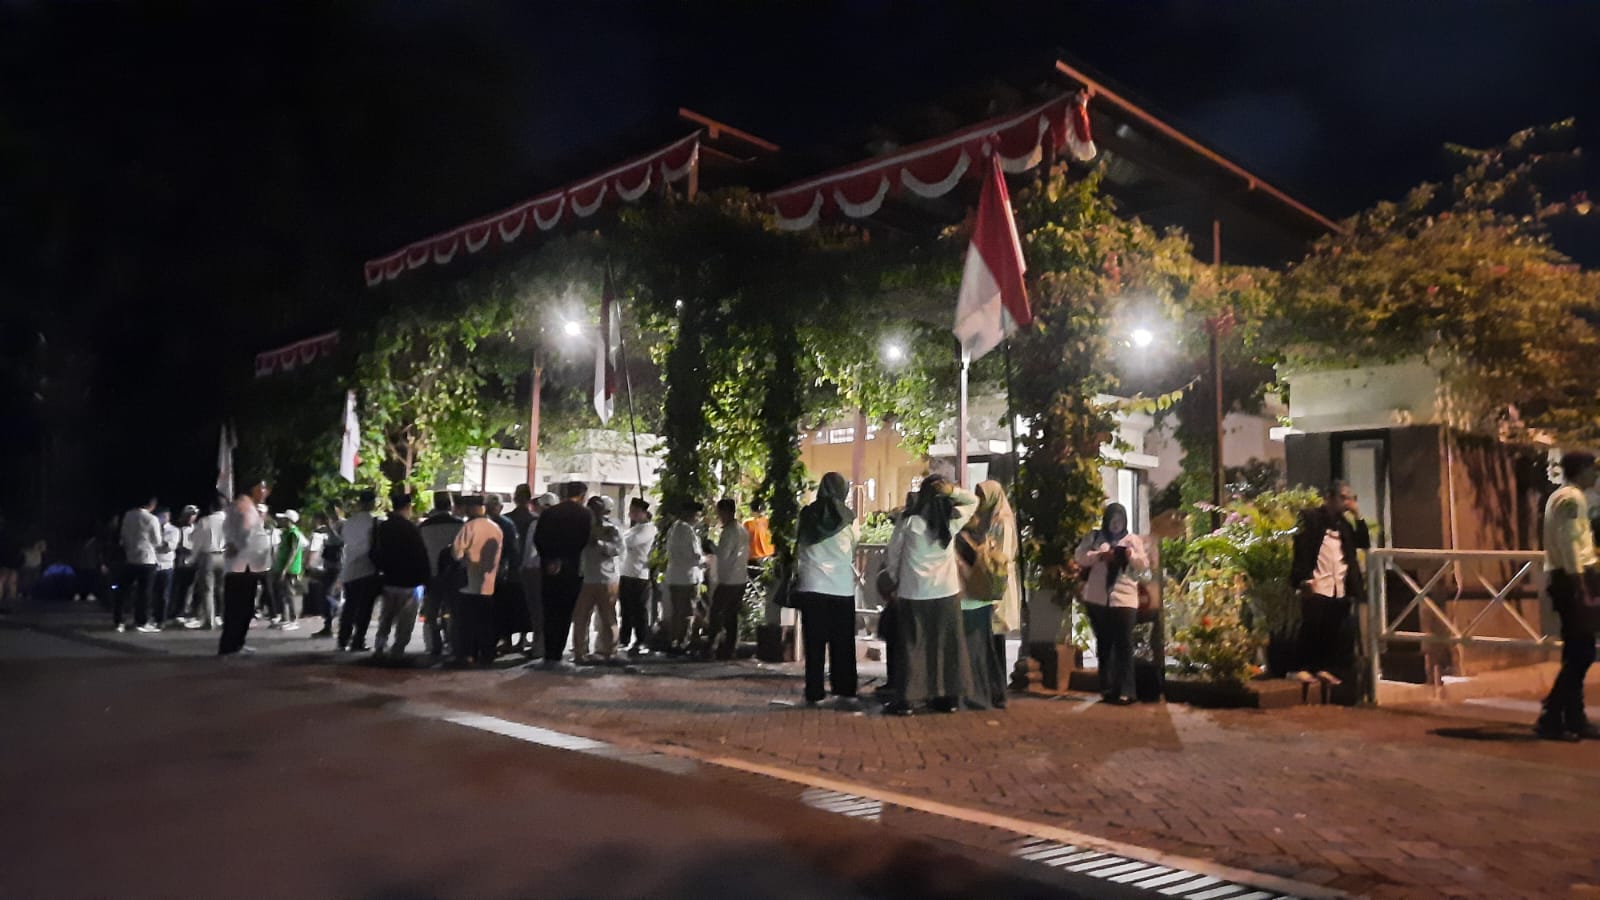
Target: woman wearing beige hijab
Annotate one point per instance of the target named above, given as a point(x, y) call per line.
point(986, 552)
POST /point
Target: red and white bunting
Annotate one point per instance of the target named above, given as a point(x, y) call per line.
point(933, 168)
point(292, 356)
point(628, 181)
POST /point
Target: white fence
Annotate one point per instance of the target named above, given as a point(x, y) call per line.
point(1442, 597)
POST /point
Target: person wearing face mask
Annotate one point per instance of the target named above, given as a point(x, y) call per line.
point(1113, 561)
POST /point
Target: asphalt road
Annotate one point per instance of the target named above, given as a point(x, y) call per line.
point(149, 776)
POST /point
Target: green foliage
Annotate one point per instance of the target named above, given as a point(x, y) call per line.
point(1236, 589)
point(1088, 270)
point(877, 529)
point(1212, 641)
point(1463, 276)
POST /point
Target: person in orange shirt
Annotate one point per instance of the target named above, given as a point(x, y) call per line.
point(760, 535)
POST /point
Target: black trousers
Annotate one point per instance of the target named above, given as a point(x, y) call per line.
point(634, 594)
point(182, 584)
point(160, 595)
point(726, 601)
point(560, 600)
point(889, 633)
point(133, 585)
point(1113, 639)
point(828, 622)
point(1563, 706)
point(474, 630)
point(1325, 637)
point(356, 617)
point(238, 607)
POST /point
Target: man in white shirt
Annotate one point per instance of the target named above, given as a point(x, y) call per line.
point(247, 559)
point(166, 562)
point(634, 588)
point(1570, 560)
point(1327, 572)
point(182, 566)
point(206, 539)
point(683, 573)
point(478, 548)
point(733, 567)
point(140, 534)
point(359, 576)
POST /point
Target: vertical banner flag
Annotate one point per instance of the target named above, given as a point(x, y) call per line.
point(350, 447)
point(605, 353)
point(993, 303)
point(226, 442)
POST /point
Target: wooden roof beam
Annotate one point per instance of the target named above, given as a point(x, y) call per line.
point(1251, 181)
point(716, 129)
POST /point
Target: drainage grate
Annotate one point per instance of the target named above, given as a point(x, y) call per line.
point(1163, 880)
point(843, 804)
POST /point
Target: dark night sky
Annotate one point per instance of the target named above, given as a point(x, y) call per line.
point(182, 184)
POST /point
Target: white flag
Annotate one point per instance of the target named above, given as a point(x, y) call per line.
point(350, 447)
point(226, 442)
point(605, 354)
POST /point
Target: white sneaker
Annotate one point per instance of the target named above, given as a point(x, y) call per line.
point(192, 624)
point(121, 628)
point(291, 626)
point(149, 629)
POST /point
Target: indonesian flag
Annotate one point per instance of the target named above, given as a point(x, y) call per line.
point(605, 353)
point(226, 443)
point(350, 446)
point(993, 302)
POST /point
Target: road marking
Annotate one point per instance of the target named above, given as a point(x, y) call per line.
point(1171, 875)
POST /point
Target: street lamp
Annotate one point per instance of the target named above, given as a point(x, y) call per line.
point(894, 352)
point(1143, 337)
point(573, 329)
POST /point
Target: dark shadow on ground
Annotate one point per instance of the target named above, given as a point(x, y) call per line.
point(1501, 732)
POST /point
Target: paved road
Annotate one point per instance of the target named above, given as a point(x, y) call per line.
point(147, 776)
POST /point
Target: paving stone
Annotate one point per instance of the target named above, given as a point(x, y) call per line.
point(1367, 801)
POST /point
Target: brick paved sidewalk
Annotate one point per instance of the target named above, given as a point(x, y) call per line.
point(1373, 802)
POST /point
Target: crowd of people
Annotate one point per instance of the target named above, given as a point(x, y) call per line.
point(550, 574)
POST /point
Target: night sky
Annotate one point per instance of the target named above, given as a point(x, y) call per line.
point(183, 184)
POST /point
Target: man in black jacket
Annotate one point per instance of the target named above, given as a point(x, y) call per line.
point(402, 562)
point(560, 536)
point(1327, 574)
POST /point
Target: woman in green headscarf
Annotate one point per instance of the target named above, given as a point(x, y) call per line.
point(825, 580)
point(986, 552)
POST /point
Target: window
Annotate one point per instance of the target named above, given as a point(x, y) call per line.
point(842, 435)
point(872, 489)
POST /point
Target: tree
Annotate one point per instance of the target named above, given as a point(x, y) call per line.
point(1464, 276)
point(1086, 269)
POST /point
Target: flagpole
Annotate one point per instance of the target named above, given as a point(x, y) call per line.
point(533, 418)
point(1016, 473)
point(627, 385)
point(961, 422)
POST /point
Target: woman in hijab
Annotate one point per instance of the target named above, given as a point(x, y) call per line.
point(921, 561)
point(825, 581)
point(986, 552)
point(1113, 562)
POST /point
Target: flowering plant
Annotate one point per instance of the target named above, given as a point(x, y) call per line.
point(1236, 591)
